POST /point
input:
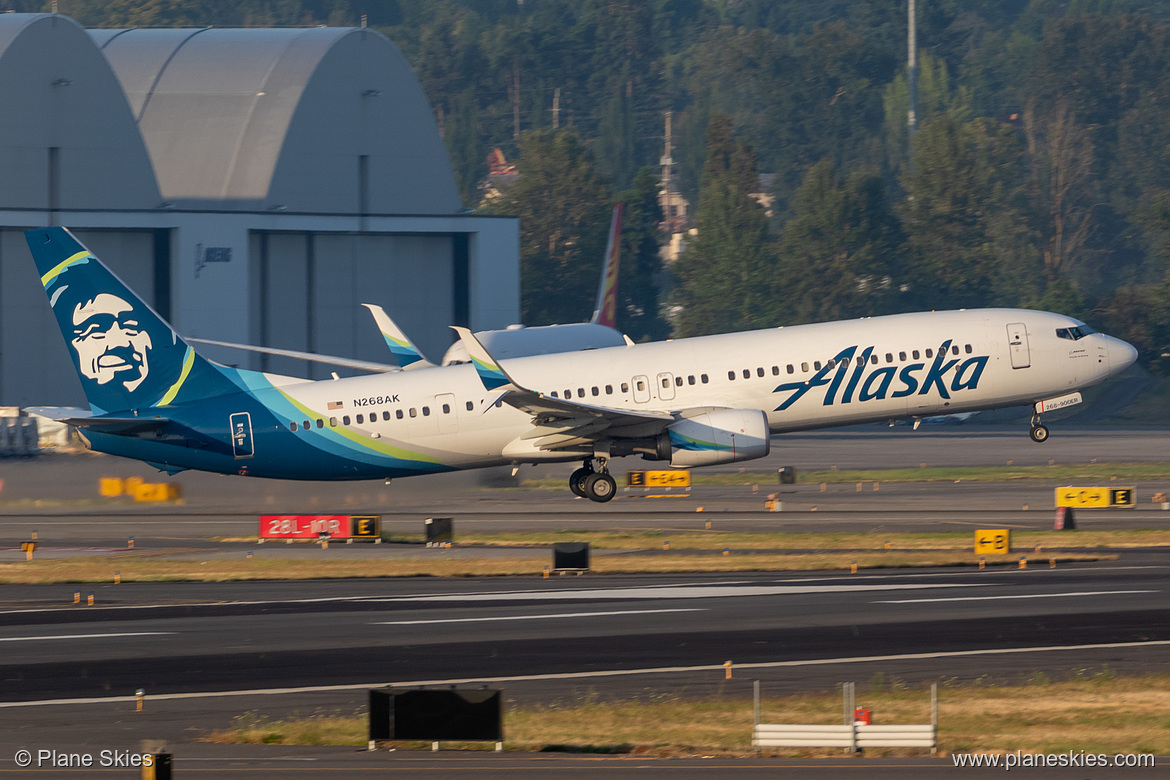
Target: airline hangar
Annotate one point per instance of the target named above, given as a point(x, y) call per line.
point(253, 185)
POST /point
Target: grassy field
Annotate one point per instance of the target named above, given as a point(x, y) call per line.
point(1097, 472)
point(1094, 711)
point(148, 569)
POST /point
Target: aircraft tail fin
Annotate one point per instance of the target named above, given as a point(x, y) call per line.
point(401, 347)
point(127, 356)
point(606, 311)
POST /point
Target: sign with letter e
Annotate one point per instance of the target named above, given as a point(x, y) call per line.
point(993, 541)
point(1095, 497)
point(365, 527)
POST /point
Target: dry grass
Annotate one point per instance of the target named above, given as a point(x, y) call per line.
point(697, 539)
point(144, 569)
point(1096, 712)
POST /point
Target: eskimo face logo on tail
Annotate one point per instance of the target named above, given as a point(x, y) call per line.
point(127, 358)
point(853, 379)
point(111, 345)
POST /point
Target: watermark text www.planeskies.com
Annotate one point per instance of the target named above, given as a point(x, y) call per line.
point(1069, 758)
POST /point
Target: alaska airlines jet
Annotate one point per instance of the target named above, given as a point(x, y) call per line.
point(692, 402)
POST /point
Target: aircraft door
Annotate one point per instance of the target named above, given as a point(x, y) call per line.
point(1018, 345)
point(666, 386)
point(448, 413)
point(641, 389)
point(240, 424)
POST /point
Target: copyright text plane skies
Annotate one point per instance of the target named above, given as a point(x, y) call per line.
point(692, 402)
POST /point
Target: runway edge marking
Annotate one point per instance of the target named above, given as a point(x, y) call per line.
point(581, 675)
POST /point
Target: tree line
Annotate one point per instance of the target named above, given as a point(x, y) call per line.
point(1038, 175)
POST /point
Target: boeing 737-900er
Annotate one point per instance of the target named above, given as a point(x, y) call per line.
point(692, 402)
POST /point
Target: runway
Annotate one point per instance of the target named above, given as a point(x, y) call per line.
point(207, 652)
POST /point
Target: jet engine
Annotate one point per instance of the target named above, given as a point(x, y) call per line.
point(724, 436)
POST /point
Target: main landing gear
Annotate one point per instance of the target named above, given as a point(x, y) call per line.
point(1038, 433)
point(594, 485)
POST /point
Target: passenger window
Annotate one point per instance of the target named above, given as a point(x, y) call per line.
point(760, 371)
point(889, 358)
point(609, 389)
point(446, 408)
point(292, 426)
point(873, 359)
point(804, 366)
point(703, 378)
point(665, 382)
point(817, 365)
point(307, 425)
point(678, 381)
point(426, 411)
point(398, 413)
point(747, 373)
point(625, 387)
point(641, 385)
point(413, 412)
point(902, 356)
point(499, 404)
point(345, 420)
point(386, 414)
point(360, 419)
point(791, 369)
point(596, 391)
point(554, 394)
point(471, 406)
point(967, 348)
point(568, 393)
point(955, 349)
point(691, 379)
point(775, 370)
point(332, 422)
point(320, 423)
point(731, 375)
point(930, 353)
point(580, 392)
point(914, 353)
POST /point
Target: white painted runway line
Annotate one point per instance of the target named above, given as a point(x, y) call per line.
point(1159, 644)
point(84, 636)
point(531, 617)
point(681, 592)
point(1026, 596)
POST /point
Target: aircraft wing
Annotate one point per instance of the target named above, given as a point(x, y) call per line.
point(401, 347)
point(559, 423)
point(359, 365)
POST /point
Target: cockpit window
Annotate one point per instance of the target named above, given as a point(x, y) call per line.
point(1075, 333)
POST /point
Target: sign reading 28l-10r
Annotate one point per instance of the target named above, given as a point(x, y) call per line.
point(945, 376)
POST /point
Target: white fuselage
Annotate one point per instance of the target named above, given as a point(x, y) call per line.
point(995, 358)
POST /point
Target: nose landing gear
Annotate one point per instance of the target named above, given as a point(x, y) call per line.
point(594, 485)
point(1038, 433)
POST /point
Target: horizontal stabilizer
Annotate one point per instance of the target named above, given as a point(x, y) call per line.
point(312, 357)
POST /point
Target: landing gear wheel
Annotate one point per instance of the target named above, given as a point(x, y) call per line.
point(1039, 434)
point(577, 481)
point(600, 487)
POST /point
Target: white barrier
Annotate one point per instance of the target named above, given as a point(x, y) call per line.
point(850, 736)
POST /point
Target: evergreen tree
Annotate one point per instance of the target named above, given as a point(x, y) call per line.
point(839, 255)
point(966, 216)
point(562, 205)
point(641, 270)
point(724, 273)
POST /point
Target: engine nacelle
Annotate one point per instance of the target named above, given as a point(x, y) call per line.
point(725, 436)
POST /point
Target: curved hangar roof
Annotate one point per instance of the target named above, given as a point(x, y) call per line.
point(326, 120)
point(67, 137)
